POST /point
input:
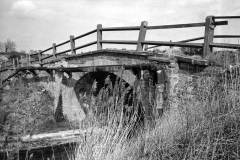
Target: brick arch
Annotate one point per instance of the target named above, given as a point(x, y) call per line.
point(85, 85)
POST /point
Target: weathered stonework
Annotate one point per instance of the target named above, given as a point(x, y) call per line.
point(174, 83)
point(167, 74)
point(170, 83)
point(63, 86)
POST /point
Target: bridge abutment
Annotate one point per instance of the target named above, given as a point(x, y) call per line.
point(65, 91)
point(65, 100)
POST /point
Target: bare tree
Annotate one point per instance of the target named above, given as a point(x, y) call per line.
point(9, 46)
point(2, 47)
point(191, 51)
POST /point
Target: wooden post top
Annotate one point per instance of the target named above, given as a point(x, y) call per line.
point(142, 35)
point(54, 49)
point(99, 36)
point(72, 44)
point(208, 36)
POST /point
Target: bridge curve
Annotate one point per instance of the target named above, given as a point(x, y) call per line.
point(111, 61)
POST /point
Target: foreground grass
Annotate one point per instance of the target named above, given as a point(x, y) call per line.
point(205, 125)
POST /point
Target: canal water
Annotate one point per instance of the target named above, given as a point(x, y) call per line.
point(57, 152)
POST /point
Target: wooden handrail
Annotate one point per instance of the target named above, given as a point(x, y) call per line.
point(130, 28)
point(119, 42)
point(225, 45)
point(200, 38)
point(226, 17)
point(176, 44)
point(60, 44)
point(46, 57)
point(186, 40)
point(177, 26)
point(85, 34)
point(187, 25)
point(65, 42)
point(86, 45)
point(65, 51)
point(226, 36)
point(209, 25)
point(48, 49)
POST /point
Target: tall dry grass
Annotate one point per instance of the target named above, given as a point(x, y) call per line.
point(205, 125)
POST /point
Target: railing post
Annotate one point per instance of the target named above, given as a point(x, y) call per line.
point(142, 35)
point(21, 63)
point(13, 63)
point(17, 63)
point(99, 37)
point(208, 36)
point(29, 59)
point(72, 43)
point(145, 47)
point(26, 59)
point(40, 58)
point(54, 48)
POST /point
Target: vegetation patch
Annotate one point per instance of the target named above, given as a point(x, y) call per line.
point(27, 108)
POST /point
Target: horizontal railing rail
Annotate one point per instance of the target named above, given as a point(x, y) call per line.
point(61, 44)
point(225, 45)
point(62, 52)
point(201, 38)
point(119, 42)
point(132, 28)
point(226, 36)
point(185, 25)
point(226, 17)
point(86, 45)
point(85, 34)
point(45, 57)
point(174, 44)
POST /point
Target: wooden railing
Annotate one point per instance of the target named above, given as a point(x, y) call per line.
point(207, 45)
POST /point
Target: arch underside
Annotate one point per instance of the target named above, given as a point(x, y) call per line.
point(93, 84)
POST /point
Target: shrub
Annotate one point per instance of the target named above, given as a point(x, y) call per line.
point(28, 107)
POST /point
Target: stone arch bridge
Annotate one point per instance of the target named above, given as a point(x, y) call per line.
point(72, 72)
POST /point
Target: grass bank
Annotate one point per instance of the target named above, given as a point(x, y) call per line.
point(205, 125)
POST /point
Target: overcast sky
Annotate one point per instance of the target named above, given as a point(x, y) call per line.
point(36, 24)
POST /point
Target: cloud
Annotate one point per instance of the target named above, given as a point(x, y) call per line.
point(56, 19)
point(23, 6)
point(194, 2)
point(26, 9)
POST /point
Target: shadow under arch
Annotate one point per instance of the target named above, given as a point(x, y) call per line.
point(91, 83)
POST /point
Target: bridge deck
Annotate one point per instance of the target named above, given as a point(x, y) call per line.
point(110, 57)
point(112, 60)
